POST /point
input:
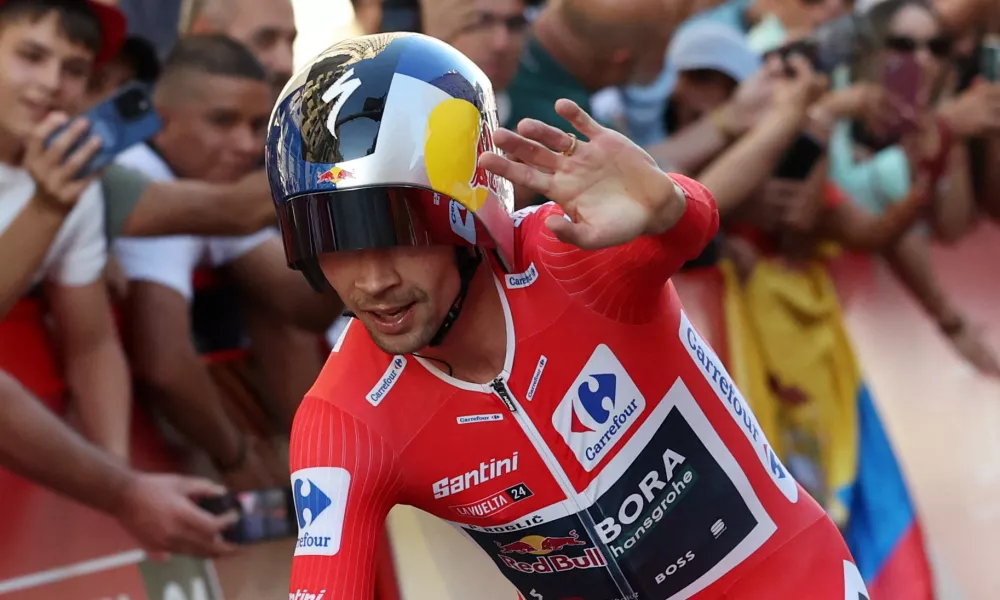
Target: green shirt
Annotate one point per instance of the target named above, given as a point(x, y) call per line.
point(539, 82)
point(123, 187)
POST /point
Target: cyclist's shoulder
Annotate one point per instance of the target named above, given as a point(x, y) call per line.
point(354, 362)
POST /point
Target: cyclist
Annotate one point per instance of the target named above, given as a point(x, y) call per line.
point(532, 377)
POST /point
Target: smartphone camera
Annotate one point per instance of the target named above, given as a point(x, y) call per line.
point(132, 104)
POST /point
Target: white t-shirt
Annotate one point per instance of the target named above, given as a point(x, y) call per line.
point(171, 260)
point(79, 252)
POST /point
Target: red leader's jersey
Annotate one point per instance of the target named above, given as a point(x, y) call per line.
point(613, 458)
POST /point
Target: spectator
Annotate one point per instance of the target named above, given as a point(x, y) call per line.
point(214, 98)
point(159, 510)
point(47, 49)
point(490, 32)
point(266, 27)
point(885, 176)
point(578, 48)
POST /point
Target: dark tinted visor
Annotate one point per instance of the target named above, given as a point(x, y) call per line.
point(377, 217)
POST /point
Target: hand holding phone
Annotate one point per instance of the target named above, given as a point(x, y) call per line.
point(264, 515)
point(56, 151)
point(123, 120)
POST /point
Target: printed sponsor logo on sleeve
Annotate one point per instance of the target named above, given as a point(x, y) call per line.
point(715, 373)
point(389, 379)
point(479, 418)
point(522, 280)
point(320, 495)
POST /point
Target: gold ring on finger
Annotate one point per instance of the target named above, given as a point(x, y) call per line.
point(572, 145)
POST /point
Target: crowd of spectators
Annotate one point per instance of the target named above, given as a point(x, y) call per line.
point(158, 286)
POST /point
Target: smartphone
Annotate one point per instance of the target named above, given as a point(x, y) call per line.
point(123, 120)
point(989, 58)
point(834, 44)
point(800, 158)
point(265, 515)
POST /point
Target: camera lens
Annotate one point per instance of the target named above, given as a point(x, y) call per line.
point(132, 104)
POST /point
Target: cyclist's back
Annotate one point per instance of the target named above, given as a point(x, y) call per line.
point(612, 457)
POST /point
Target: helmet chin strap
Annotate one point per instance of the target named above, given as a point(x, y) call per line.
point(468, 261)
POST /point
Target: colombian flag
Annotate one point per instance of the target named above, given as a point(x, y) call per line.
point(790, 355)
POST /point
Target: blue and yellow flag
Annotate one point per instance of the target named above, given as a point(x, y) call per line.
point(790, 355)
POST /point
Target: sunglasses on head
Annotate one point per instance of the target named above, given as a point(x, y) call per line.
point(938, 46)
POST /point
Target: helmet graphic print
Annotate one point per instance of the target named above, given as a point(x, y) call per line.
point(375, 143)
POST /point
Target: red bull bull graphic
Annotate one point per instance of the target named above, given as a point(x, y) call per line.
point(544, 547)
point(334, 175)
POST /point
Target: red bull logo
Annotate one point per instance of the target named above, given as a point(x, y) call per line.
point(334, 175)
point(457, 134)
point(544, 548)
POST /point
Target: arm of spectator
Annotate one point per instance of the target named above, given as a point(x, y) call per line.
point(157, 509)
point(954, 206)
point(909, 259)
point(858, 229)
point(57, 191)
point(23, 247)
point(264, 269)
point(989, 196)
point(94, 362)
point(138, 207)
point(740, 171)
point(690, 149)
point(170, 373)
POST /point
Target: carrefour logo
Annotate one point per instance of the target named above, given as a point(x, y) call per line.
point(389, 379)
point(320, 495)
point(599, 408)
point(716, 375)
point(522, 280)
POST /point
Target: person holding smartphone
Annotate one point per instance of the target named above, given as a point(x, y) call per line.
point(39, 38)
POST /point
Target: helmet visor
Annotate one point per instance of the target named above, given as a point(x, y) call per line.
point(376, 217)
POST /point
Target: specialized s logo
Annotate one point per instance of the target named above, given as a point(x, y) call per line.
point(599, 408)
point(338, 93)
point(320, 495)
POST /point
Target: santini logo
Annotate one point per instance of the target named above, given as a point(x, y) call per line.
point(600, 406)
point(485, 472)
point(320, 495)
point(389, 379)
point(522, 280)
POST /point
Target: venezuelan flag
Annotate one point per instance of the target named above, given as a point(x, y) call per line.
point(790, 354)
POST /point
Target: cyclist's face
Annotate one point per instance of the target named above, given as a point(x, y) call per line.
point(400, 294)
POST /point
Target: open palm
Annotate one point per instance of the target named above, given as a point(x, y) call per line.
point(608, 186)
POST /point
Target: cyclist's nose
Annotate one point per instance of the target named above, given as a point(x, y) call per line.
point(376, 273)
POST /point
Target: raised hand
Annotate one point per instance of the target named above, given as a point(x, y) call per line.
point(610, 189)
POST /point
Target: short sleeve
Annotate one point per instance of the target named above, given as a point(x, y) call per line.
point(123, 187)
point(169, 261)
point(82, 255)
